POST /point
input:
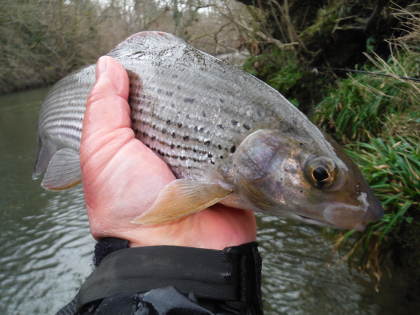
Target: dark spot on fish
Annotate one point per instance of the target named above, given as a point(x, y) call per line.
point(178, 87)
point(179, 125)
point(174, 76)
point(188, 116)
point(232, 149)
point(159, 91)
point(301, 191)
point(173, 135)
point(246, 126)
point(168, 122)
point(188, 100)
point(300, 143)
point(178, 146)
point(194, 150)
point(212, 162)
point(204, 114)
point(210, 155)
point(183, 158)
point(221, 157)
point(172, 146)
point(200, 129)
point(153, 138)
point(219, 147)
point(234, 122)
point(207, 142)
point(220, 126)
point(222, 100)
point(169, 93)
point(186, 138)
point(164, 131)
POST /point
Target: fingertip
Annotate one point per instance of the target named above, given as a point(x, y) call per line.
point(111, 78)
point(101, 66)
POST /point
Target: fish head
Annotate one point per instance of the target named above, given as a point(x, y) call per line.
point(294, 177)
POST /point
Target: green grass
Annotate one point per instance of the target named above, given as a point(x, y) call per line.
point(356, 107)
point(392, 168)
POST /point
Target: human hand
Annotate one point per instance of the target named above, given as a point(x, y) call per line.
point(122, 177)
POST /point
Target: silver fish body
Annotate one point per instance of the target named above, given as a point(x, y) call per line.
point(208, 120)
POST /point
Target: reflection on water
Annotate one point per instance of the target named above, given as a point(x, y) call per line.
point(45, 246)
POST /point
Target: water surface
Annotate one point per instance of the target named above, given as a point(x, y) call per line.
point(45, 246)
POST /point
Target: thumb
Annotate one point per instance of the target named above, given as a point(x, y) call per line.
point(107, 114)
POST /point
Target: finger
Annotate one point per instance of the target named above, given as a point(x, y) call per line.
point(107, 108)
point(107, 115)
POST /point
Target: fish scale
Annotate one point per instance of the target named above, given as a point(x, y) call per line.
point(225, 134)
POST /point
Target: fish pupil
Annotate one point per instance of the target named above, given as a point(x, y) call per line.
point(320, 174)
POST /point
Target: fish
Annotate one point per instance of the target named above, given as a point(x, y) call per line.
point(228, 137)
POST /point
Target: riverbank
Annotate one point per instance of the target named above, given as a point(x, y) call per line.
point(44, 40)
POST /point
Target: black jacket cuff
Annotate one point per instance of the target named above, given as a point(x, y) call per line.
point(231, 276)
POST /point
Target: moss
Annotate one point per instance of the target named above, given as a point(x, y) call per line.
point(287, 73)
point(279, 68)
point(326, 20)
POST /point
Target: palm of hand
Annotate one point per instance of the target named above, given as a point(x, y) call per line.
point(122, 178)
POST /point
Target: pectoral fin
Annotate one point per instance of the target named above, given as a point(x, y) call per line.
point(181, 198)
point(63, 170)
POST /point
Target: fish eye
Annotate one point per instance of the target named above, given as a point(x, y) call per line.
point(321, 172)
point(320, 175)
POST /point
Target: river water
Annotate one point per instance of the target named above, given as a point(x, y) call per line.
point(45, 246)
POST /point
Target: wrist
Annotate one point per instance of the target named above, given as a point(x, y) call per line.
point(215, 228)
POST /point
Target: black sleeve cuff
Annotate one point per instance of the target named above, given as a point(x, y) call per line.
point(232, 275)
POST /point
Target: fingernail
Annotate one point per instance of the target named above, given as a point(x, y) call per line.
point(101, 66)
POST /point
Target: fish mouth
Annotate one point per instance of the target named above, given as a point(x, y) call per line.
point(313, 221)
point(358, 227)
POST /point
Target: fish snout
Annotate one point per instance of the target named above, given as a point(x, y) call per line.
point(375, 211)
point(347, 216)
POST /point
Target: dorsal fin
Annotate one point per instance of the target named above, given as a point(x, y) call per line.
point(148, 41)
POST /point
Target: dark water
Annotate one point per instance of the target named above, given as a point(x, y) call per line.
point(45, 246)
